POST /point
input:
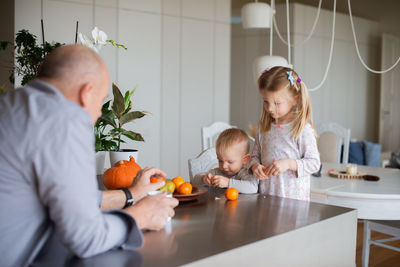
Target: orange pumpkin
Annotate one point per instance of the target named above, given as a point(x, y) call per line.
point(131, 162)
point(121, 175)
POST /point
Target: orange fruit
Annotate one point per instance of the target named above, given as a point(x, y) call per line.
point(178, 181)
point(185, 189)
point(156, 179)
point(231, 193)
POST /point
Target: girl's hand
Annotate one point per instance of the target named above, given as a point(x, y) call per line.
point(259, 171)
point(280, 166)
point(207, 179)
point(220, 181)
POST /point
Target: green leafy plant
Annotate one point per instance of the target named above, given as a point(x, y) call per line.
point(28, 55)
point(104, 142)
point(120, 114)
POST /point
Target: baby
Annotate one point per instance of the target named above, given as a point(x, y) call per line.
point(232, 149)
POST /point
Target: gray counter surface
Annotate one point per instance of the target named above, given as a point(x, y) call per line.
point(206, 227)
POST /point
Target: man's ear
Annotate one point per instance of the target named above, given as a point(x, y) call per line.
point(85, 94)
point(246, 158)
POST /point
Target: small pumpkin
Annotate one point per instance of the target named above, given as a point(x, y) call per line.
point(131, 162)
point(121, 175)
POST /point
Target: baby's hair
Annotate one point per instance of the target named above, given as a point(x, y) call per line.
point(278, 78)
point(231, 137)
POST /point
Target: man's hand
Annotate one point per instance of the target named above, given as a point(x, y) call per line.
point(280, 166)
point(207, 179)
point(141, 184)
point(220, 181)
point(152, 212)
point(259, 171)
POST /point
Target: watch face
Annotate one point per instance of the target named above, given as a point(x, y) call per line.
point(130, 201)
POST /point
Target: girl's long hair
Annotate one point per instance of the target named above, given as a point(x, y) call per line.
point(276, 79)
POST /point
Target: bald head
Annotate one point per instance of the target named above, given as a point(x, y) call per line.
point(70, 62)
point(79, 73)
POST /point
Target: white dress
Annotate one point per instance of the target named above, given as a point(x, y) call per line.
point(278, 143)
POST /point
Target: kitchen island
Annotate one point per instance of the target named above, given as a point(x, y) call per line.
point(254, 230)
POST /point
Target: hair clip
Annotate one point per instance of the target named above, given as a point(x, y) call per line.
point(264, 71)
point(298, 79)
point(290, 77)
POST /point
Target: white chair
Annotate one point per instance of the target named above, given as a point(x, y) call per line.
point(387, 227)
point(205, 161)
point(332, 137)
point(210, 133)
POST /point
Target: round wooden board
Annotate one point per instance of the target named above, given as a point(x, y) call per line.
point(344, 175)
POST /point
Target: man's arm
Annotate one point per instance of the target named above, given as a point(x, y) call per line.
point(112, 199)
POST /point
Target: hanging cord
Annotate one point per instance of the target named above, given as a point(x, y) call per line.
point(288, 32)
point(309, 35)
point(331, 51)
point(358, 52)
point(271, 32)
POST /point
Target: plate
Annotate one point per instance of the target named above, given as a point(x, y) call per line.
point(197, 190)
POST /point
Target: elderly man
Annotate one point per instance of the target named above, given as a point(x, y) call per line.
point(47, 171)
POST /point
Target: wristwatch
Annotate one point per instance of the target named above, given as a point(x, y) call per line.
point(129, 199)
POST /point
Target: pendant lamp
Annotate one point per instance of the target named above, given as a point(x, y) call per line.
point(262, 63)
point(260, 15)
point(256, 16)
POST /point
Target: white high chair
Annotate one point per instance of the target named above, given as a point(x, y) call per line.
point(205, 161)
point(210, 133)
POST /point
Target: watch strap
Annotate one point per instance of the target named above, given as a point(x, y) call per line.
point(129, 198)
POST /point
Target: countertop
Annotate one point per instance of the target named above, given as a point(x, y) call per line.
point(205, 227)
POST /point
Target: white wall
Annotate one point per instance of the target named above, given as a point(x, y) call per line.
point(350, 95)
point(178, 58)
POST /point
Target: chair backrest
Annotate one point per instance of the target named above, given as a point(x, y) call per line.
point(251, 144)
point(326, 141)
point(210, 133)
point(205, 161)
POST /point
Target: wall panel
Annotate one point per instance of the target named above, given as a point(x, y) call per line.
point(221, 73)
point(139, 67)
point(171, 98)
point(196, 85)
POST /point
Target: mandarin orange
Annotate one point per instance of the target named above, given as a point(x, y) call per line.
point(185, 189)
point(178, 181)
point(231, 193)
point(156, 179)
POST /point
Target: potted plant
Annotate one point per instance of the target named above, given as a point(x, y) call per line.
point(103, 141)
point(120, 113)
point(28, 55)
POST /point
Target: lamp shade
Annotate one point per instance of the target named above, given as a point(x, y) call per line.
point(266, 62)
point(256, 16)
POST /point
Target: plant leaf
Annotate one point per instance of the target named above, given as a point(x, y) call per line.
point(132, 135)
point(118, 105)
point(106, 107)
point(107, 120)
point(131, 116)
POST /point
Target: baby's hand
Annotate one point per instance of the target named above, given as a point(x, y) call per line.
point(207, 179)
point(220, 181)
point(279, 166)
point(259, 171)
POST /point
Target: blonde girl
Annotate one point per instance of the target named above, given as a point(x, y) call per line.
point(285, 151)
